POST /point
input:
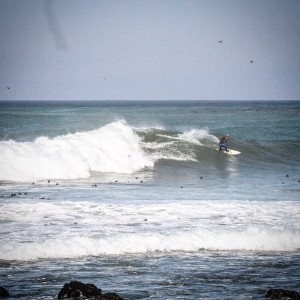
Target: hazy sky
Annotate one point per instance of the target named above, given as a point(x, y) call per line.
point(150, 49)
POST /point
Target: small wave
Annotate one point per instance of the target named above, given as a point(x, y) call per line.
point(253, 239)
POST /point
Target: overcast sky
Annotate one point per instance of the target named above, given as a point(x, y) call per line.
point(149, 49)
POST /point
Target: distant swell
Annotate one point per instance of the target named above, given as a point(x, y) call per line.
point(112, 148)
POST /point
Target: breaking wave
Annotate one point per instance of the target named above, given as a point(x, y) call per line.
point(253, 239)
point(112, 148)
point(121, 148)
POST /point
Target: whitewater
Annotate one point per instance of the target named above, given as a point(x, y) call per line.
point(135, 198)
point(112, 148)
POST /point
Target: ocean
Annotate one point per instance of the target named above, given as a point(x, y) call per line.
point(134, 197)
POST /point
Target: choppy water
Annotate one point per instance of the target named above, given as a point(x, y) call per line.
point(134, 197)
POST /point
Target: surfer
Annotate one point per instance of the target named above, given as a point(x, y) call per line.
point(223, 142)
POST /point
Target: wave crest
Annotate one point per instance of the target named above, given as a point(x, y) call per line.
point(112, 148)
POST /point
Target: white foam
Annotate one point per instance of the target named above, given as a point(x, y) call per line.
point(253, 239)
point(69, 229)
point(198, 136)
point(178, 147)
point(112, 148)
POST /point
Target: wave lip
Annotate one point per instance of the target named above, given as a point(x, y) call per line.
point(112, 148)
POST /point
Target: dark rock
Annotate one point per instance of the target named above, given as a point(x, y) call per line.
point(111, 296)
point(282, 294)
point(3, 292)
point(77, 289)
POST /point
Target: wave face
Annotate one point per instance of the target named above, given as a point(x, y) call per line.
point(111, 148)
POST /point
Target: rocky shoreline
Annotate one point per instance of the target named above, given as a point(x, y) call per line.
point(79, 290)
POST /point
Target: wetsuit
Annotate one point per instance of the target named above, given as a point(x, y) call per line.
point(223, 143)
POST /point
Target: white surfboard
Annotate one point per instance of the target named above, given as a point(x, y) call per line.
point(229, 152)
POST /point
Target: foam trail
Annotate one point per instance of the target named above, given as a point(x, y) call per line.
point(112, 148)
point(198, 136)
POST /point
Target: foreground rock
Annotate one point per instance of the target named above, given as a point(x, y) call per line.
point(76, 289)
point(282, 294)
point(3, 292)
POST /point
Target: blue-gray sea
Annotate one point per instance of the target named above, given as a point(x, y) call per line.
point(134, 197)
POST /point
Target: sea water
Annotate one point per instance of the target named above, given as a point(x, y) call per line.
point(135, 198)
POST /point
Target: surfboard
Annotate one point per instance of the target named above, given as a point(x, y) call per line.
point(229, 152)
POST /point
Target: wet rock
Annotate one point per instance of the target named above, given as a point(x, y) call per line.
point(282, 294)
point(4, 293)
point(111, 296)
point(77, 289)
